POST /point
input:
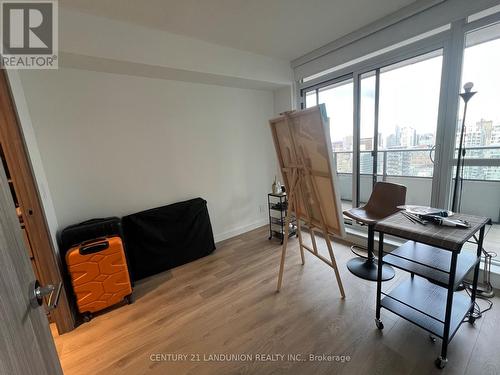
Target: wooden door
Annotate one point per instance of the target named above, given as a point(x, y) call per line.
point(26, 344)
point(46, 261)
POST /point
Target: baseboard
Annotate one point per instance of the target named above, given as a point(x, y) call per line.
point(240, 230)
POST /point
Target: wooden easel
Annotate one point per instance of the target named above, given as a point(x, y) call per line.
point(303, 188)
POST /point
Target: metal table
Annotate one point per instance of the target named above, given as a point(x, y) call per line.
point(434, 254)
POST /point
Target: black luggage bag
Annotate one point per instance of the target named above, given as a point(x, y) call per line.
point(165, 237)
point(89, 230)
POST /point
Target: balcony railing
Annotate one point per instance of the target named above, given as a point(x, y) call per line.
point(414, 168)
point(482, 162)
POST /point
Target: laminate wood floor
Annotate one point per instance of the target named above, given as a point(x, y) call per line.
point(227, 303)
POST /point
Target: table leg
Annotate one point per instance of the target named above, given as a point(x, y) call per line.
point(441, 361)
point(379, 279)
point(371, 243)
point(476, 269)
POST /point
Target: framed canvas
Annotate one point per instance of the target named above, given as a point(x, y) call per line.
point(302, 142)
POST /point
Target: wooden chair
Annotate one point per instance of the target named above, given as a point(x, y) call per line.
point(383, 202)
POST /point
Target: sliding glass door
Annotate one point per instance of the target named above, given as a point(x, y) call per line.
point(479, 190)
point(399, 107)
point(391, 130)
point(396, 116)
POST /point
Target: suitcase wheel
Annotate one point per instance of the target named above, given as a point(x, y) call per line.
point(129, 299)
point(87, 317)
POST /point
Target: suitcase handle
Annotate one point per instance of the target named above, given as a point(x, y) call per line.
point(93, 240)
point(94, 248)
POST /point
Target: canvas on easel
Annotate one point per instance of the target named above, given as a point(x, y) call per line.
point(302, 142)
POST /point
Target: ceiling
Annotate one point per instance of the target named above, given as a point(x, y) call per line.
point(284, 29)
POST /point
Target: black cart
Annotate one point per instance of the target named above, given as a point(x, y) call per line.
point(278, 207)
point(434, 258)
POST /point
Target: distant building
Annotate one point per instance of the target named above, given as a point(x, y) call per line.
point(405, 137)
point(338, 146)
point(408, 137)
point(347, 143)
point(477, 135)
point(391, 141)
point(426, 140)
point(366, 144)
point(395, 163)
point(403, 157)
point(495, 135)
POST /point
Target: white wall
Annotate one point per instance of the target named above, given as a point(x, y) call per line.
point(482, 198)
point(283, 100)
point(136, 118)
point(115, 144)
point(90, 36)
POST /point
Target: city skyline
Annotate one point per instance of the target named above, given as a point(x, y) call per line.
point(409, 95)
point(403, 158)
point(482, 133)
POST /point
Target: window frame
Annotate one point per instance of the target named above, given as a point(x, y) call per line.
point(439, 41)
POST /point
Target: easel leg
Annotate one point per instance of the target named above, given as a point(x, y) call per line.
point(299, 232)
point(291, 206)
point(334, 262)
point(315, 192)
point(308, 209)
point(283, 251)
point(313, 239)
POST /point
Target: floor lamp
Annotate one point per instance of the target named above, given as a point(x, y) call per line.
point(486, 289)
point(457, 191)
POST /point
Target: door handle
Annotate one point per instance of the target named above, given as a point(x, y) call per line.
point(39, 292)
point(433, 148)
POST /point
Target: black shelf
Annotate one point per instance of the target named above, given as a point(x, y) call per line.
point(278, 203)
point(421, 302)
point(278, 207)
point(281, 235)
point(279, 221)
point(431, 262)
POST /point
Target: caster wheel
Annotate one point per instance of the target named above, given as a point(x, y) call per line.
point(379, 324)
point(129, 299)
point(471, 319)
point(432, 338)
point(87, 317)
point(440, 362)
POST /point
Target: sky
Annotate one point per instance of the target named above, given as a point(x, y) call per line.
point(409, 95)
point(482, 67)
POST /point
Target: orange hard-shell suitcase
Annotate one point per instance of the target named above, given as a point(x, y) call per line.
point(99, 274)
